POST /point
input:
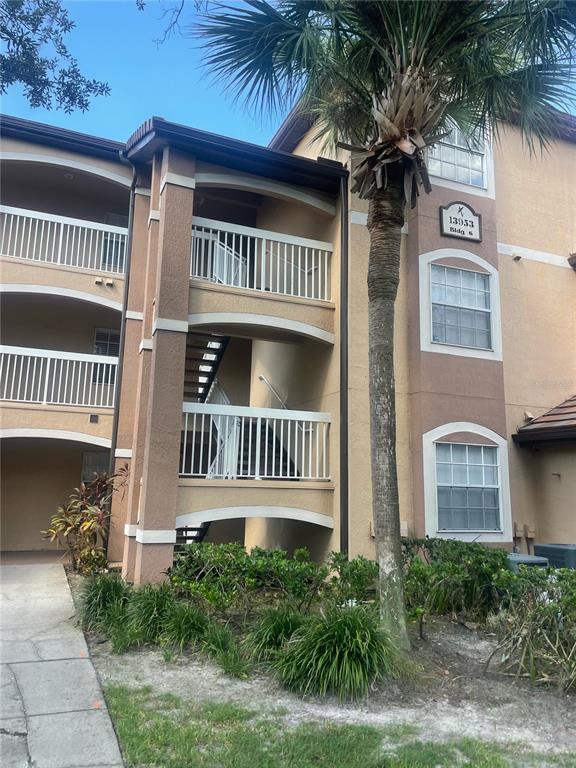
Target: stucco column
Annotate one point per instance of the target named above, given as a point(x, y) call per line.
point(155, 532)
point(139, 395)
point(133, 333)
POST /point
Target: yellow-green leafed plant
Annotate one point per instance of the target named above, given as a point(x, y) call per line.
point(82, 524)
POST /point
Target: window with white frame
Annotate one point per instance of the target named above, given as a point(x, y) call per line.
point(467, 487)
point(456, 159)
point(461, 307)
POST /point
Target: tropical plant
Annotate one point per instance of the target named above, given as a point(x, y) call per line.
point(271, 631)
point(82, 525)
point(342, 651)
point(385, 79)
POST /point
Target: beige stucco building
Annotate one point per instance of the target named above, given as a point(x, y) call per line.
point(196, 306)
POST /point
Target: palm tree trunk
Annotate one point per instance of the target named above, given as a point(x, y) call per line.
point(385, 220)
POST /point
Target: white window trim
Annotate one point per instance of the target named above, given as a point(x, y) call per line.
point(469, 189)
point(429, 440)
point(426, 343)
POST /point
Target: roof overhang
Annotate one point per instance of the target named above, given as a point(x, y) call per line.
point(157, 133)
point(61, 138)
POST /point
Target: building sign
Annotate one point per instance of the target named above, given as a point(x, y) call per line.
point(459, 220)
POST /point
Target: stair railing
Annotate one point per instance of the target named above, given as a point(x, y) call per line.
point(225, 463)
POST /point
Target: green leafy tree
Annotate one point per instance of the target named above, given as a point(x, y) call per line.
point(34, 55)
point(386, 78)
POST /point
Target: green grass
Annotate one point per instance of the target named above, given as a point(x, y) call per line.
point(163, 731)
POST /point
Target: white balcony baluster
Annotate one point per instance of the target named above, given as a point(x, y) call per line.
point(245, 257)
point(234, 442)
point(51, 239)
point(56, 378)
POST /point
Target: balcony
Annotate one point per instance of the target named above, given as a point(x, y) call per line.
point(258, 260)
point(47, 239)
point(225, 442)
point(48, 377)
point(253, 282)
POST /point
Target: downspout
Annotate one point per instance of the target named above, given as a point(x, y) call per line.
point(344, 237)
point(118, 383)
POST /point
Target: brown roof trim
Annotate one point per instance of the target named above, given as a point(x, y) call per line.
point(155, 133)
point(556, 425)
point(291, 130)
point(61, 138)
point(296, 124)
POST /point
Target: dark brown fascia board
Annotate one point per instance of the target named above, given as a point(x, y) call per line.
point(60, 138)
point(292, 129)
point(544, 437)
point(156, 133)
point(296, 124)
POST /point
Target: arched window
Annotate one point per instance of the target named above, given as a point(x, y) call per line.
point(459, 305)
point(466, 486)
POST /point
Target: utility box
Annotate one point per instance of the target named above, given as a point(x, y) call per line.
point(516, 559)
point(559, 555)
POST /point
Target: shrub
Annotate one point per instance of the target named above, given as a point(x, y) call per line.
point(353, 580)
point(82, 523)
point(221, 644)
point(343, 650)
point(537, 625)
point(99, 595)
point(148, 610)
point(184, 624)
point(225, 575)
point(444, 576)
point(274, 628)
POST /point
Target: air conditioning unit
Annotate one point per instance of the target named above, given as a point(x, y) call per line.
point(517, 558)
point(559, 555)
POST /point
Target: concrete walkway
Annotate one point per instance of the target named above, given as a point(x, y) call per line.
point(52, 711)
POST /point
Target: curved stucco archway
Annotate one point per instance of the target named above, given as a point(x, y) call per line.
point(54, 290)
point(255, 321)
point(192, 519)
point(56, 434)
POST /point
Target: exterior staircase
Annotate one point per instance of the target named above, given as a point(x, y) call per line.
point(203, 355)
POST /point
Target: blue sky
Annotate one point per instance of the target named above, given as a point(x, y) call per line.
point(113, 41)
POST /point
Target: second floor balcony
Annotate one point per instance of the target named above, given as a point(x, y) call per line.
point(49, 239)
point(50, 377)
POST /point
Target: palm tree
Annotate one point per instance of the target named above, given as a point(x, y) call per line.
point(385, 79)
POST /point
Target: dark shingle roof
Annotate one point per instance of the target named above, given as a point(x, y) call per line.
point(556, 425)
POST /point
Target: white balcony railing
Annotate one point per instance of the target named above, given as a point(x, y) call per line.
point(51, 239)
point(244, 257)
point(56, 378)
point(234, 442)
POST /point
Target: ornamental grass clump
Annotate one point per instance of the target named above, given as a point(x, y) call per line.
point(221, 643)
point(272, 630)
point(342, 651)
point(99, 595)
point(184, 625)
point(148, 610)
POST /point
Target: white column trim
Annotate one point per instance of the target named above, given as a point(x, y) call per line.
point(167, 324)
point(130, 530)
point(430, 496)
point(123, 453)
point(178, 180)
point(146, 191)
point(132, 314)
point(155, 537)
point(145, 344)
point(153, 216)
